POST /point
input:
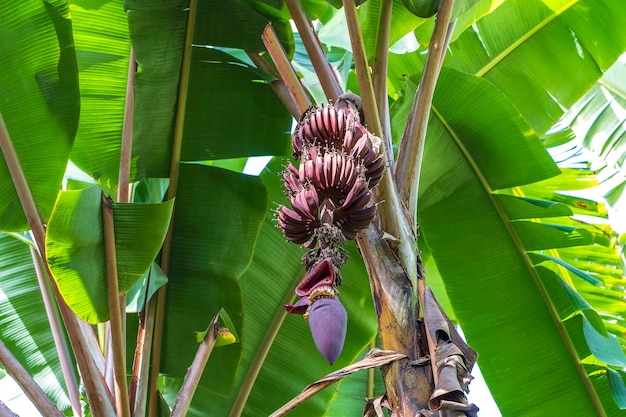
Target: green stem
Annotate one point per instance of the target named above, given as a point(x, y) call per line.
point(28, 384)
point(323, 69)
point(412, 145)
point(379, 76)
point(192, 378)
point(391, 211)
point(366, 89)
point(116, 311)
point(171, 193)
point(285, 70)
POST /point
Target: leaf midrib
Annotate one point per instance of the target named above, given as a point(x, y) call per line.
point(507, 51)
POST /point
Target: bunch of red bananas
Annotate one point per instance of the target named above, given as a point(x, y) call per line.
point(331, 200)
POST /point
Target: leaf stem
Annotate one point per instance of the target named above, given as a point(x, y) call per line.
point(278, 85)
point(379, 77)
point(123, 190)
point(366, 89)
point(6, 411)
point(412, 145)
point(171, 193)
point(28, 384)
point(391, 211)
point(115, 310)
point(56, 328)
point(323, 69)
point(285, 70)
point(192, 378)
point(141, 369)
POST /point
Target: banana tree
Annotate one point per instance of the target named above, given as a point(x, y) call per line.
point(158, 105)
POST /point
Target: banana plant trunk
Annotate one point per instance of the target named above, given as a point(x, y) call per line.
point(408, 386)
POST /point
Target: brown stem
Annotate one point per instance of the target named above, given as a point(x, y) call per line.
point(192, 378)
point(323, 69)
point(115, 310)
point(57, 331)
point(432, 344)
point(6, 411)
point(379, 77)
point(412, 146)
point(408, 387)
point(171, 193)
point(137, 395)
point(285, 70)
point(374, 359)
point(277, 85)
point(123, 190)
point(84, 346)
point(28, 384)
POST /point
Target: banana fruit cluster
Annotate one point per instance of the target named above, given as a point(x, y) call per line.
point(331, 199)
point(340, 162)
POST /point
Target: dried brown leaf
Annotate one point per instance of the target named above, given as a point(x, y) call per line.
point(373, 359)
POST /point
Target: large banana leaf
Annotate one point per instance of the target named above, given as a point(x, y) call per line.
point(38, 101)
point(218, 217)
point(223, 94)
point(509, 47)
point(498, 297)
point(588, 35)
point(598, 119)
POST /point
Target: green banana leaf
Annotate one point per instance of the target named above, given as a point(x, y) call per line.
point(457, 200)
point(218, 218)
point(39, 101)
point(102, 51)
point(510, 42)
point(598, 118)
point(75, 248)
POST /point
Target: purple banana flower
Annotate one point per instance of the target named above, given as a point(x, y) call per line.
point(328, 323)
point(326, 315)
